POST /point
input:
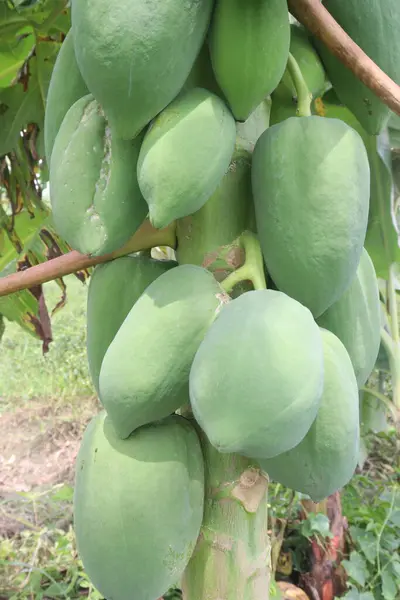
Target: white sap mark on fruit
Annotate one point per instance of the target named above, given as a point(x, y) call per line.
point(105, 170)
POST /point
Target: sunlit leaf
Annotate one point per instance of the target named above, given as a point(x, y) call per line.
point(13, 54)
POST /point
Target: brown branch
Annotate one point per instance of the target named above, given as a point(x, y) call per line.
point(146, 237)
point(315, 17)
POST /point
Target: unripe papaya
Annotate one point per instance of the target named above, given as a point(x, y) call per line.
point(310, 65)
point(375, 28)
point(356, 319)
point(202, 74)
point(249, 45)
point(135, 56)
point(66, 87)
point(184, 155)
point(201, 235)
point(325, 460)
point(256, 380)
point(145, 371)
point(311, 190)
point(138, 506)
point(113, 289)
point(96, 201)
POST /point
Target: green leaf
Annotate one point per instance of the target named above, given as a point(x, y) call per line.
point(366, 596)
point(13, 54)
point(367, 543)
point(46, 53)
point(395, 518)
point(356, 568)
point(316, 524)
point(395, 568)
point(389, 587)
point(19, 107)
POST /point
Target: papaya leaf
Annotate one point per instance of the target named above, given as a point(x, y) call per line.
point(41, 13)
point(46, 54)
point(13, 54)
point(20, 105)
point(10, 23)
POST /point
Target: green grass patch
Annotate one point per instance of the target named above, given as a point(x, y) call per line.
point(63, 371)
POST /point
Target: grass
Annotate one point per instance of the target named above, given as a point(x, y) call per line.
point(63, 372)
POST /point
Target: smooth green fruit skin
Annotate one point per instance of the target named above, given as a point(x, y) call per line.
point(375, 28)
point(184, 155)
point(96, 201)
point(113, 289)
point(136, 55)
point(310, 65)
point(201, 235)
point(249, 46)
point(325, 460)
point(356, 320)
point(202, 74)
point(256, 380)
point(138, 506)
point(145, 371)
point(311, 185)
point(66, 87)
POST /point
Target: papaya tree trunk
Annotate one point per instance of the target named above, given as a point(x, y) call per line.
point(231, 559)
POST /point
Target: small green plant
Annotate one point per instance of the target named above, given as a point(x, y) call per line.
point(373, 566)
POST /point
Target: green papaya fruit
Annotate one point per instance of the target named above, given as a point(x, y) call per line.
point(138, 506)
point(375, 28)
point(145, 371)
point(381, 240)
point(66, 87)
point(202, 74)
point(249, 46)
point(251, 129)
point(325, 460)
point(310, 65)
point(135, 56)
point(113, 289)
point(201, 235)
point(311, 185)
point(184, 155)
point(356, 319)
point(256, 380)
point(96, 201)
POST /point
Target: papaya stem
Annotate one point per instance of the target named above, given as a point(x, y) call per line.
point(379, 396)
point(392, 302)
point(253, 268)
point(393, 351)
point(231, 560)
point(304, 97)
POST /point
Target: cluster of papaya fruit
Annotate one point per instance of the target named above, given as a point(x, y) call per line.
point(197, 113)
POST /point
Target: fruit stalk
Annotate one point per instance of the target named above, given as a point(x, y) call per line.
point(253, 268)
point(231, 559)
point(304, 98)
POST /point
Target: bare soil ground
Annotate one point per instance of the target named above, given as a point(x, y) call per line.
point(38, 446)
